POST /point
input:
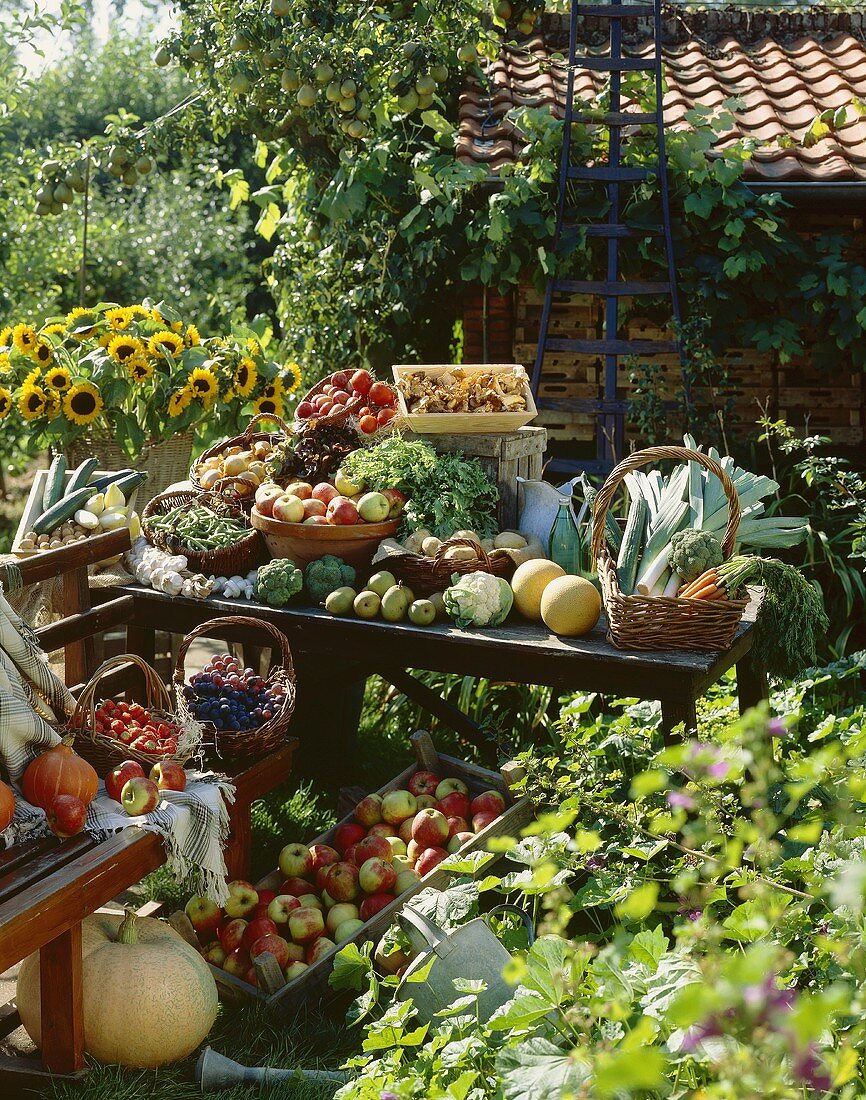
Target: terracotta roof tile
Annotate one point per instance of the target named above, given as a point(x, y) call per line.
point(782, 87)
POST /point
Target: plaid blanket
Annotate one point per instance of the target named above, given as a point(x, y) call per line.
point(193, 823)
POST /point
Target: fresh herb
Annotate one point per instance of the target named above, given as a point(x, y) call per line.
point(446, 492)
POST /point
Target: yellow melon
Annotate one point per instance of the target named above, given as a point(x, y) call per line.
point(529, 582)
point(570, 606)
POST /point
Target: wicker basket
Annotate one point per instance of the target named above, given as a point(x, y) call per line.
point(339, 414)
point(246, 439)
point(664, 622)
point(428, 575)
point(105, 753)
point(165, 461)
point(227, 561)
point(241, 744)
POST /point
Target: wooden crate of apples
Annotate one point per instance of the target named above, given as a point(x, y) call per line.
point(345, 886)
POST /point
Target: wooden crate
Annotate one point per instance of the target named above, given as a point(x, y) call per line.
point(503, 456)
point(313, 983)
point(33, 508)
point(463, 423)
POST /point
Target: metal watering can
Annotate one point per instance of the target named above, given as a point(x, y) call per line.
point(471, 951)
point(214, 1071)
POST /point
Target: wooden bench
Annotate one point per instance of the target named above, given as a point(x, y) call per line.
point(48, 886)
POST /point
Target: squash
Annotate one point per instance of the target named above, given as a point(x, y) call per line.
point(149, 997)
point(59, 770)
point(7, 806)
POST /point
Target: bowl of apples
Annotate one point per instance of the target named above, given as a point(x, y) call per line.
point(304, 522)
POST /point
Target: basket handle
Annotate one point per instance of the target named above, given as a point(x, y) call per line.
point(439, 562)
point(156, 693)
point(223, 623)
point(259, 417)
point(657, 454)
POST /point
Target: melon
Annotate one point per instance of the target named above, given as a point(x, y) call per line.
point(570, 606)
point(529, 582)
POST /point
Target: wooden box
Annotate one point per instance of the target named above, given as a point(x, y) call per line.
point(504, 457)
point(313, 983)
point(463, 423)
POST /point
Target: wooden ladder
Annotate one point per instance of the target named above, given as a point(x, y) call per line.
point(610, 411)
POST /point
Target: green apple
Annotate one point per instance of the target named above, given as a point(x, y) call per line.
point(346, 487)
point(374, 507)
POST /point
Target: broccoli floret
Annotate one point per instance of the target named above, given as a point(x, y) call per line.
point(693, 552)
point(326, 575)
point(278, 581)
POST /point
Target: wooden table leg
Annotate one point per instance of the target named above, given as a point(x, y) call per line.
point(239, 847)
point(62, 1001)
point(752, 685)
point(676, 710)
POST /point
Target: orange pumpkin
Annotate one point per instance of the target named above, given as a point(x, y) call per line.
point(59, 771)
point(7, 805)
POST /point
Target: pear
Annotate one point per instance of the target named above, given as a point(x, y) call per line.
point(340, 601)
point(395, 604)
point(380, 582)
point(366, 604)
point(422, 612)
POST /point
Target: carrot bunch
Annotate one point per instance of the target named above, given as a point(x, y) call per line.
point(708, 586)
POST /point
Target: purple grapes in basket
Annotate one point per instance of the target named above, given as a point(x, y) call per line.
point(231, 697)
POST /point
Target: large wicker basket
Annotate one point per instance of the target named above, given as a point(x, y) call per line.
point(428, 575)
point(105, 753)
point(664, 622)
point(227, 561)
point(339, 414)
point(165, 461)
point(248, 437)
point(233, 745)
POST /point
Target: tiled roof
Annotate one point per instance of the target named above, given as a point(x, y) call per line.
point(782, 87)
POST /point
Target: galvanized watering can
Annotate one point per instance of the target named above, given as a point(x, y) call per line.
point(472, 952)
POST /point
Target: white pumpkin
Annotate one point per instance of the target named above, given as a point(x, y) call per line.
point(149, 997)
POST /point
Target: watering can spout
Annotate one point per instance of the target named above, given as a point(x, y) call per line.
point(214, 1071)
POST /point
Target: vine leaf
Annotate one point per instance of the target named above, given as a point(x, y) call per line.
point(537, 1070)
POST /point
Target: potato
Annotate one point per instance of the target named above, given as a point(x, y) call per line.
point(487, 546)
point(235, 450)
point(430, 545)
point(460, 553)
point(262, 449)
point(509, 540)
point(467, 535)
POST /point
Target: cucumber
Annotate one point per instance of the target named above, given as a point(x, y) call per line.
point(64, 509)
point(54, 482)
point(81, 475)
point(100, 484)
point(130, 482)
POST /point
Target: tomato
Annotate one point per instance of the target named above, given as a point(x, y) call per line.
point(361, 381)
point(369, 424)
point(381, 394)
point(385, 415)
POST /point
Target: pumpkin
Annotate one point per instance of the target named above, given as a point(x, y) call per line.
point(59, 770)
point(7, 805)
point(149, 998)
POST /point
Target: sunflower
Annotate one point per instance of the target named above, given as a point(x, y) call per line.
point(295, 380)
point(192, 338)
point(32, 378)
point(119, 318)
point(138, 311)
point(54, 330)
point(42, 353)
point(269, 406)
point(245, 377)
point(179, 401)
point(5, 402)
point(273, 389)
point(83, 403)
point(166, 341)
point(253, 346)
point(177, 326)
point(57, 378)
point(203, 383)
point(139, 368)
point(156, 316)
point(53, 404)
point(121, 348)
point(32, 401)
point(6, 337)
point(229, 395)
point(24, 338)
point(5, 365)
point(82, 322)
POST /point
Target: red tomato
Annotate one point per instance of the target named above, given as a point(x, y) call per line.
point(381, 394)
point(362, 380)
point(369, 424)
point(385, 415)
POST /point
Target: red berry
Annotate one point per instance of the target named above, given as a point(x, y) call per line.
point(117, 726)
point(369, 424)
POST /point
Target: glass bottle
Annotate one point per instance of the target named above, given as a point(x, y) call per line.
point(564, 544)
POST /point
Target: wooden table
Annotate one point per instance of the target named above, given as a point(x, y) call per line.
point(518, 652)
point(47, 887)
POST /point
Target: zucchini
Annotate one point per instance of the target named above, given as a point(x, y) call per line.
point(64, 509)
point(100, 484)
point(632, 539)
point(131, 482)
point(81, 475)
point(54, 482)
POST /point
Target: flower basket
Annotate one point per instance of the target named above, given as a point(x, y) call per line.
point(247, 439)
point(165, 461)
point(428, 575)
point(105, 753)
point(242, 744)
point(664, 622)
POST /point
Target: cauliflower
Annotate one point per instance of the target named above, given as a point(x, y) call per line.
point(478, 599)
point(278, 581)
point(693, 552)
point(326, 575)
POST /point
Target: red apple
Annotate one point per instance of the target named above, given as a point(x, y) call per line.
point(325, 492)
point(374, 904)
point(296, 952)
point(340, 379)
point(312, 901)
point(368, 812)
point(304, 410)
point(265, 497)
point(348, 834)
point(406, 878)
point(429, 829)
point(457, 825)
point(398, 847)
point(413, 851)
point(458, 840)
point(455, 804)
point(288, 509)
point(66, 815)
point(281, 907)
point(318, 949)
point(342, 512)
point(430, 858)
point(397, 806)
point(481, 821)
point(237, 962)
point(350, 856)
point(397, 501)
point(405, 833)
point(426, 801)
point(251, 977)
point(231, 934)
point(265, 899)
point(276, 945)
point(488, 802)
point(295, 886)
point(204, 915)
point(117, 777)
point(376, 876)
point(448, 786)
point(296, 861)
point(301, 489)
point(316, 521)
point(338, 913)
point(306, 925)
point(214, 953)
point(313, 507)
point(361, 381)
point(322, 855)
point(139, 796)
point(342, 881)
point(295, 970)
point(327, 900)
point(372, 846)
point(168, 775)
point(348, 929)
point(424, 783)
point(383, 829)
point(261, 926)
point(242, 900)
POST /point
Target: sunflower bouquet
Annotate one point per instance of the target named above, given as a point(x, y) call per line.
point(142, 373)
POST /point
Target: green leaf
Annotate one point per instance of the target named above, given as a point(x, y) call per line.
point(521, 1012)
point(352, 964)
point(627, 1071)
point(538, 1070)
point(640, 902)
point(546, 968)
point(648, 946)
point(268, 221)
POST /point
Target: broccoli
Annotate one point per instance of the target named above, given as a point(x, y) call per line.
point(326, 575)
point(693, 552)
point(278, 581)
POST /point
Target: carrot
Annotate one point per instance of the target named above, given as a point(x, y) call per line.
point(708, 592)
point(708, 577)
